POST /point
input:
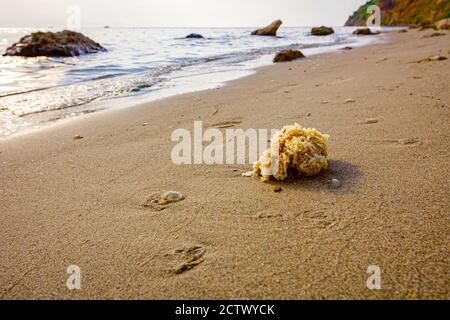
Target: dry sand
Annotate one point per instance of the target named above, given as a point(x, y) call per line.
point(65, 201)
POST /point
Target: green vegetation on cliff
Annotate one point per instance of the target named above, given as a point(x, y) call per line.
point(404, 12)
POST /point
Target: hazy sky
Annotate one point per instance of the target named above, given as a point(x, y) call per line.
point(177, 13)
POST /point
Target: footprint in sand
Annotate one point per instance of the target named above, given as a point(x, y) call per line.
point(187, 258)
point(159, 202)
point(431, 59)
point(227, 123)
point(408, 142)
point(268, 214)
point(411, 142)
point(319, 219)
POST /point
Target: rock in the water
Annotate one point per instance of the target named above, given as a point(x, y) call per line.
point(364, 32)
point(321, 31)
point(60, 44)
point(443, 24)
point(288, 55)
point(402, 31)
point(194, 36)
point(347, 48)
point(270, 30)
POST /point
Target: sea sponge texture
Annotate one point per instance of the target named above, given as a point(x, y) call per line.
point(294, 151)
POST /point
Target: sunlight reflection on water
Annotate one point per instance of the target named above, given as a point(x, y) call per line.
point(139, 62)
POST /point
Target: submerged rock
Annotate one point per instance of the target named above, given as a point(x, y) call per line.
point(194, 36)
point(321, 31)
point(270, 30)
point(294, 151)
point(364, 32)
point(60, 44)
point(288, 55)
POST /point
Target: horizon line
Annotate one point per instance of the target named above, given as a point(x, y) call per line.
point(161, 27)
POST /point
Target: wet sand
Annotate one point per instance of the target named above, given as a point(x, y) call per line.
point(79, 202)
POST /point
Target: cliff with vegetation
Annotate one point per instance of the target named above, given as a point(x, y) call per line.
point(403, 12)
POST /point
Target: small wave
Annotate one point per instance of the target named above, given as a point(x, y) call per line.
point(140, 61)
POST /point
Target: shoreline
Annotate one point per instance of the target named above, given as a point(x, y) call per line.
point(79, 202)
point(173, 86)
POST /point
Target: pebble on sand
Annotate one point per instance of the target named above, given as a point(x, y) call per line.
point(277, 189)
point(350, 100)
point(77, 137)
point(248, 174)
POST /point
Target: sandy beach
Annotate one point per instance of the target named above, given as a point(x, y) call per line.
point(80, 202)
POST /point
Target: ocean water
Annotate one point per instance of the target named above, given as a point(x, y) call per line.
point(142, 64)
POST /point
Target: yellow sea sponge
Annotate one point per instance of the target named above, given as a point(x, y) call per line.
point(294, 151)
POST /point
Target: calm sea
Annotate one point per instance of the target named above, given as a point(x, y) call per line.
point(141, 64)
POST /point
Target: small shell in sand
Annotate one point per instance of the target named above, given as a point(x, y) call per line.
point(335, 183)
point(248, 174)
point(170, 197)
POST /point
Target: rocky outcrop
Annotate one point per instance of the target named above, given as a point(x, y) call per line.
point(443, 24)
point(403, 12)
point(60, 44)
point(288, 55)
point(364, 32)
point(194, 36)
point(270, 30)
point(321, 31)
